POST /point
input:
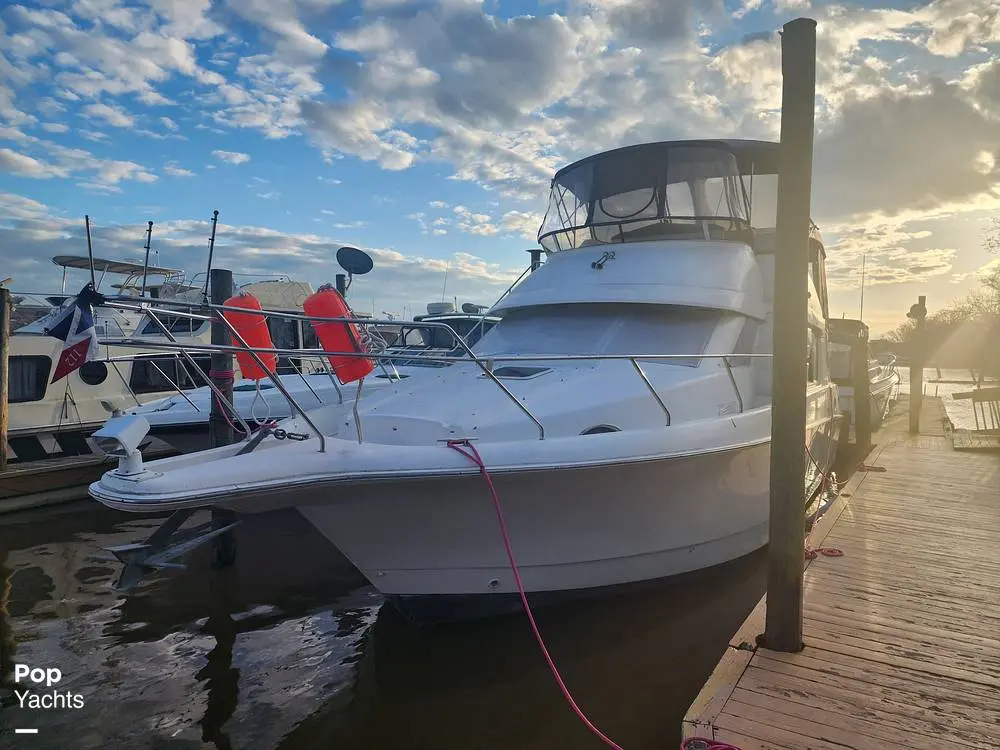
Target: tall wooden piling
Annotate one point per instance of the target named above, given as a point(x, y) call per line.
point(220, 428)
point(5, 331)
point(783, 629)
point(918, 313)
point(861, 387)
point(341, 282)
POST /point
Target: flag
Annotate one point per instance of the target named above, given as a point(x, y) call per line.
point(75, 328)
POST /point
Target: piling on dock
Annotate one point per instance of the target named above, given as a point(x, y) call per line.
point(791, 313)
point(918, 313)
point(900, 632)
point(220, 426)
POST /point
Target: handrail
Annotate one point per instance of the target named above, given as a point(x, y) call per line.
point(485, 363)
point(215, 389)
point(273, 378)
point(652, 390)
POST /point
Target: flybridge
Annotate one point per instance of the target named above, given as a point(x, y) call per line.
point(674, 189)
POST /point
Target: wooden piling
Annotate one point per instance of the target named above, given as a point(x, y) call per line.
point(5, 332)
point(862, 394)
point(918, 312)
point(341, 281)
point(783, 628)
point(220, 428)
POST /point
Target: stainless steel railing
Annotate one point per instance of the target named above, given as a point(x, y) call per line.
point(485, 364)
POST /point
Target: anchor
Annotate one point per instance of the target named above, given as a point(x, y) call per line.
point(163, 546)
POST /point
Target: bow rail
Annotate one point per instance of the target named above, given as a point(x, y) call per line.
point(208, 311)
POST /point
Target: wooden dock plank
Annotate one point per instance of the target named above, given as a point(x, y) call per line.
point(902, 633)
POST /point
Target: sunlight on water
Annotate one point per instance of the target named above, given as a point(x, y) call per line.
point(959, 411)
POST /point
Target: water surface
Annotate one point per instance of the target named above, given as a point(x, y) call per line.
point(292, 648)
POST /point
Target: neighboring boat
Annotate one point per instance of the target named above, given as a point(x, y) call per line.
point(53, 420)
point(622, 406)
point(108, 321)
point(848, 343)
point(427, 344)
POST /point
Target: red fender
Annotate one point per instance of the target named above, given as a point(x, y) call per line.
point(337, 337)
point(253, 329)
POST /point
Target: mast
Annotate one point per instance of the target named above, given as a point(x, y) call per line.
point(145, 265)
point(864, 258)
point(90, 255)
point(211, 250)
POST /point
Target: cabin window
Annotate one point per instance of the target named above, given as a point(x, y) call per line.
point(601, 328)
point(28, 378)
point(840, 361)
point(812, 358)
point(154, 374)
point(285, 335)
point(309, 338)
point(176, 324)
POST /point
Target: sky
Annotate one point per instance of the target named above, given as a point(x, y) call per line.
point(426, 132)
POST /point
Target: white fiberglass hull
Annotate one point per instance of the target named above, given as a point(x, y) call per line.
point(569, 528)
point(623, 515)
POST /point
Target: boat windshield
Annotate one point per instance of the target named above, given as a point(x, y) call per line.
point(603, 328)
point(652, 191)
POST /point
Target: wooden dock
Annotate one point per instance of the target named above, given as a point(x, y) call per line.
point(902, 633)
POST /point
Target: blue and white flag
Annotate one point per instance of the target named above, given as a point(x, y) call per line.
point(75, 328)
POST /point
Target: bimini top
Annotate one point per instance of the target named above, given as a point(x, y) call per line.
point(111, 266)
point(695, 189)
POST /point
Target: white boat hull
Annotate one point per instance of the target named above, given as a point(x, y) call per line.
point(569, 529)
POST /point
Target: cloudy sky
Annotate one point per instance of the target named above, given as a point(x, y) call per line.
point(426, 131)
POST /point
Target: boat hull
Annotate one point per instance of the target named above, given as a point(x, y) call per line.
point(569, 529)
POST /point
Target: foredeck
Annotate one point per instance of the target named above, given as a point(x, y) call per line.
point(902, 633)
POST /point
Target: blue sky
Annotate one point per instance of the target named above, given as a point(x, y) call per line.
point(426, 131)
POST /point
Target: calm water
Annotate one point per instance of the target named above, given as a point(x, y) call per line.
point(292, 649)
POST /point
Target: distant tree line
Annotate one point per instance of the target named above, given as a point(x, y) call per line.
point(964, 334)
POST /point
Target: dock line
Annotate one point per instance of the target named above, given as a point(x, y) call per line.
point(473, 455)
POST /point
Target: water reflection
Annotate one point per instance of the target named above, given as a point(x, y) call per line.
point(292, 649)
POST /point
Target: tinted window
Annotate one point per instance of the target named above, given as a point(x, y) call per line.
point(174, 323)
point(153, 374)
point(28, 377)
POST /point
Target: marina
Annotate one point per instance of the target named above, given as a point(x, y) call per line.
point(899, 649)
point(656, 495)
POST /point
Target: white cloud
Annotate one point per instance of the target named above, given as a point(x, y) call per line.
point(231, 157)
point(27, 166)
point(114, 116)
point(169, 124)
point(55, 127)
point(174, 171)
point(31, 233)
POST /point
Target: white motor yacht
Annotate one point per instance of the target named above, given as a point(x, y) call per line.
point(622, 405)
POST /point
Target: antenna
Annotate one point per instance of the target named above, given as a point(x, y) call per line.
point(211, 250)
point(145, 265)
point(445, 286)
point(90, 252)
point(864, 258)
point(354, 261)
